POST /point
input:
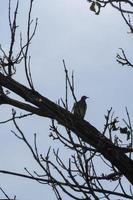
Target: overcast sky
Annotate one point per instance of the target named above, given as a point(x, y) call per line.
point(68, 30)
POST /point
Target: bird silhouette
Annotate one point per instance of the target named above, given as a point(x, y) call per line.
point(80, 107)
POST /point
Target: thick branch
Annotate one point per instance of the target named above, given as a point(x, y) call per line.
point(23, 106)
point(82, 128)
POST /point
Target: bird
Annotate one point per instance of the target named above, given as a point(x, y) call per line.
point(80, 107)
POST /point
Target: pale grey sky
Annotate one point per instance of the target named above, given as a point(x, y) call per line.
point(88, 43)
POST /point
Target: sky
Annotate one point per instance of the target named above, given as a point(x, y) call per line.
point(88, 43)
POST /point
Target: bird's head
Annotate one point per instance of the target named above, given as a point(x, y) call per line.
point(84, 97)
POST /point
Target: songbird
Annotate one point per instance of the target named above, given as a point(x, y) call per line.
point(80, 107)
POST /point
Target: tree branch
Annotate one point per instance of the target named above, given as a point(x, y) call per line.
point(81, 128)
